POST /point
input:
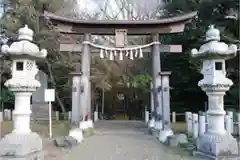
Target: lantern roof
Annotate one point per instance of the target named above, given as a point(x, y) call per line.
point(213, 48)
point(24, 47)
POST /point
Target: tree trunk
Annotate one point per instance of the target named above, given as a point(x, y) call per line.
point(54, 85)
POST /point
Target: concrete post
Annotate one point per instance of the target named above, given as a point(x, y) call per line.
point(228, 124)
point(146, 116)
point(195, 125)
point(96, 118)
point(173, 117)
point(189, 123)
point(1, 117)
point(69, 115)
point(238, 121)
point(57, 115)
point(230, 114)
point(202, 124)
point(5, 114)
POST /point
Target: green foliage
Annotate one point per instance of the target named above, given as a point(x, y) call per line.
point(232, 97)
point(185, 70)
point(7, 96)
point(30, 12)
point(142, 82)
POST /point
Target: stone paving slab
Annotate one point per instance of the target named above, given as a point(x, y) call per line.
point(123, 140)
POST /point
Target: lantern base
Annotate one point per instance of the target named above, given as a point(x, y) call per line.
point(215, 146)
point(164, 134)
point(158, 125)
point(151, 123)
point(15, 145)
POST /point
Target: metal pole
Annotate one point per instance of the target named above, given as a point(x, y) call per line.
point(1, 70)
point(50, 119)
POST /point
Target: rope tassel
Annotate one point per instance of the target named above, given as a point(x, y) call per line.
point(106, 53)
point(115, 52)
point(136, 53)
point(121, 56)
point(101, 54)
point(111, 58)
point(131, 55)
point(127, 53)
point(140, 53)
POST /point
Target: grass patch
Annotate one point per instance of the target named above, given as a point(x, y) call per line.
point(59, 128)
point(179, 127)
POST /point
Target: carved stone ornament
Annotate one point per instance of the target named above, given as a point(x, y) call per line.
point(222, 86)
point(166, 122)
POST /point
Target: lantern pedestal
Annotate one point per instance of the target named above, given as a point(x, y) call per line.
point(22, 143)
point(21, 146)
point(164, 134)
point(213, 145)
point(216, 142)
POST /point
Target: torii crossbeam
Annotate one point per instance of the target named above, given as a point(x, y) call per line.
point(81, 97)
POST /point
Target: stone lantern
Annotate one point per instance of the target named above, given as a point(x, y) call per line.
point(216, 142)
point(22, 143)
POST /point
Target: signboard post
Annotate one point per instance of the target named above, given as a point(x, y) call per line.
point(49, 97)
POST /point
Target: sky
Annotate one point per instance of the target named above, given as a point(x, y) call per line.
point(114, 6)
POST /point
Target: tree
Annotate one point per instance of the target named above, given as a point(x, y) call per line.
point(29, 12)
point(209, 12)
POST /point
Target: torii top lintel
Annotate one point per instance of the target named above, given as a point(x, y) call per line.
point(107, 27)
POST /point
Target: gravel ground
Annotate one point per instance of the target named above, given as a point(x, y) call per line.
point(52, 152)
point(118, 140)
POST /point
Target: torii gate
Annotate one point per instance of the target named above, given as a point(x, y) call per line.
point(81, 93)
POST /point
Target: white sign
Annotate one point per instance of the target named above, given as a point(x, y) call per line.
point(49, 95)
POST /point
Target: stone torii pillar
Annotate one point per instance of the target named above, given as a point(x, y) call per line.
point(76, 92)
point(152, 121)
point(85, 97)
point(166, 123)
point(157, 97)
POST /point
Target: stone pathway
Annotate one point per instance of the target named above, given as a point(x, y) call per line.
point(122, 140)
